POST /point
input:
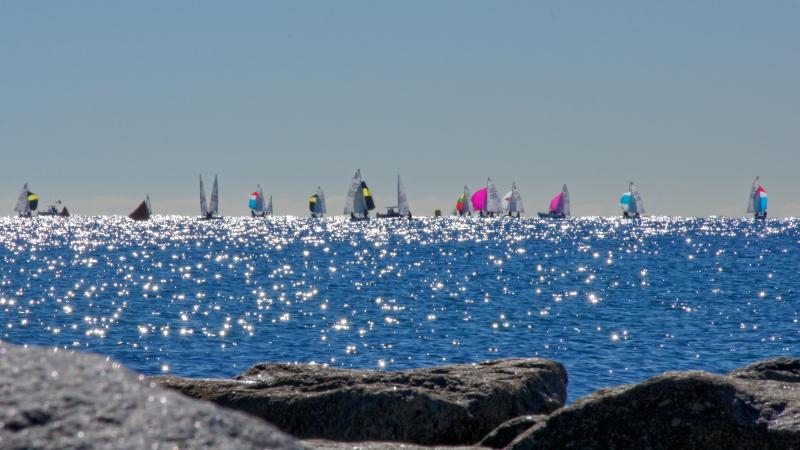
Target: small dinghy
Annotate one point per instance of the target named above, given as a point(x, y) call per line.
point(512, 202)
point(256, 203)
point(27, 202)
point(463, 204)
point(211, 210)
point(559, 206)
point(316, 204)
point(142, 212)
point(359, 201)
point(757, 202)
point(631, 203)
point(486, 201)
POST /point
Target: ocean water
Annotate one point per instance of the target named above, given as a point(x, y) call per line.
point(615, 301)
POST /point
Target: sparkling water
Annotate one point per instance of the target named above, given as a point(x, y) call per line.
point(615, 301)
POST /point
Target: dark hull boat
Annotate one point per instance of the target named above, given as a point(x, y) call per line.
point(550, 215)
point(402, 211)
point(53, 211)
point(143, 211)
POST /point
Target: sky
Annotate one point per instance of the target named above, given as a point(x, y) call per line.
point(103, 102)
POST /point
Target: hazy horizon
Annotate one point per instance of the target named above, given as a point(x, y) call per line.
point(101, 103)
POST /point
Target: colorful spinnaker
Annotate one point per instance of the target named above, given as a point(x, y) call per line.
point(316, 204)
point(757, 202)
point(256, 203)
point(559, 206)
point(487, 200)
point(631, 202)
point(463, 204)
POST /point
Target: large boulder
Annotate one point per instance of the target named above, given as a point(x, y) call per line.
point(757, 407)
point(62, 399)
point(446, 405)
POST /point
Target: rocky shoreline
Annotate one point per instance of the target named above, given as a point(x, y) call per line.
point(63, 399)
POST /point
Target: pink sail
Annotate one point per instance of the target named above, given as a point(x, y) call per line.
point(479, 199)
point(556, 204)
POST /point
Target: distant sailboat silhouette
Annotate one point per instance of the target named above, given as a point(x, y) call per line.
point(316, 204)
point(57, 210)
point(359, 199)
point(487, 200)
point(403, 210)
point(27, 202)
point(559, 206)
point(463, 204)
point(210, 210)
point(142, 212)
point(757, 202)
point(512, 202)
point(631, 203)
point(256, 203)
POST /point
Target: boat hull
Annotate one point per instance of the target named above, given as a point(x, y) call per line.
point(549, 215)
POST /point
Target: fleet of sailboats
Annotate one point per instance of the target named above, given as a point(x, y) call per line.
point(559, 206)
point(359, 202)
point(757, 202)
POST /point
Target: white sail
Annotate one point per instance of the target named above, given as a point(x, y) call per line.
point(492, 198)
point(355, 186)
point(213, 205)
point(516, 200)
point(753, 203)
point(402, 202)
point(203, 203)
point(320, 207)
point(565, 201)
point(467, 205)
point(149, 207)
point(268, 211)
point(637, 205)
point(259, 200)
point(22, 205)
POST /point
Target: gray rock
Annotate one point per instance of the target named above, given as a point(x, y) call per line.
point(447, 405)
point(507, 431)
point(60, 399)
point(757, 408)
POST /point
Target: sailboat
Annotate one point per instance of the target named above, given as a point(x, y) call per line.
point(210, 210)
point(256, 203)
point(463, 205)
point(631, 203)
point(487, 200)
point(27, 202)
point(403, 209)
point(757, 202)
point(142, 212)
point(56, 210)
point(359, 200)
point(559, 206)
point(512, 202)
point(268, 211)
point(316, 204)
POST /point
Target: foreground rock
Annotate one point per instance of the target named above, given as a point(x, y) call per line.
point(59, 400)
point(334, 445)
point(448, 405)
point(757, 407)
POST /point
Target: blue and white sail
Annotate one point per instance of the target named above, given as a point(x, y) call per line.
point(757, 202)
point(631, 201)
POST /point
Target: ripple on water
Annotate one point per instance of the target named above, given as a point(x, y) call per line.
point(615, 301)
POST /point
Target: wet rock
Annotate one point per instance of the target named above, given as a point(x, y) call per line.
point(333, 445)
point(447, 405)
point(59, 400)
point(507, 431)
point(758, 407)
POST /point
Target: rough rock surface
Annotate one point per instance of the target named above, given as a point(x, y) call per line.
point(333, 445)
point(447, 405)
point(504, 434)
point(757, 407)
point(59, 400)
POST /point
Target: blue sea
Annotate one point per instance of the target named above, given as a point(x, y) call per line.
point(615, 301)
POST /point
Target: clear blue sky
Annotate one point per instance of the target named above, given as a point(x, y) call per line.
point(102, 102)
